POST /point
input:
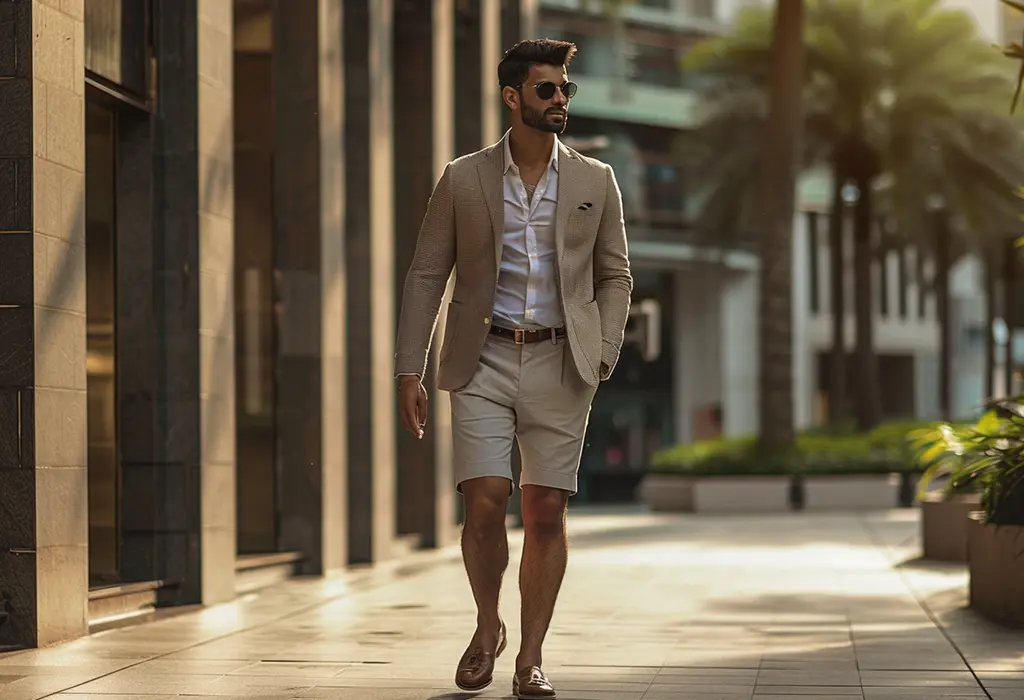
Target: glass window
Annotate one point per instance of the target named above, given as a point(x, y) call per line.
point(656, 65)
point(117, 40)
point(665, 193)
point(702, 8)
point(101, 355)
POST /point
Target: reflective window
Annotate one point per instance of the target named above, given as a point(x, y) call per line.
point(656, 65)
point(116, 41)
point(101, 356)
point(665, 192)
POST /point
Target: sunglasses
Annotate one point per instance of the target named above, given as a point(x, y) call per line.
point(546, 89)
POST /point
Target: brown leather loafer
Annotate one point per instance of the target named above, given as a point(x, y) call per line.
point(530, 683)
point(476, 667)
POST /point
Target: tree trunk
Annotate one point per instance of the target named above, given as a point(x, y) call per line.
point(779, 163)
point(837, 408)
point(991, 275)
point(869, 404)
point(942, 264)
point(1009, 309)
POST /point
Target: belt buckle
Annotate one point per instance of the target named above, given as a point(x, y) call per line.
point(519, 336)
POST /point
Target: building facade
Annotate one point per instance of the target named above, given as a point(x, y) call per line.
point(206, 212)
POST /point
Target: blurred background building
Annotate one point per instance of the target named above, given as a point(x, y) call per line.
point(635, 99)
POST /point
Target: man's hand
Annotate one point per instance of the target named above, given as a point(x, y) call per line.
point(412, 405)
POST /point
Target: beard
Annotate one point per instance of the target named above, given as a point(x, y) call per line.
point(552, 121)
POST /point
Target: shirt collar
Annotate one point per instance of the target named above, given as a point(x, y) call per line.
point(508, 162)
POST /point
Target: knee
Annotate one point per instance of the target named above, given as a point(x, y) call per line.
point(544, 512)
point(486, 504)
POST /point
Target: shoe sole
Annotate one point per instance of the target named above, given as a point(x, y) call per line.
point(483, 686)
point(520, 696)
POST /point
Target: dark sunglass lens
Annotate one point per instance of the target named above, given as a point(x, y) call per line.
point(569, 89)
point(545, 91)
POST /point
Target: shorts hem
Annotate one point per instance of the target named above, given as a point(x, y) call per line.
point(551, 480)
point(479, 470)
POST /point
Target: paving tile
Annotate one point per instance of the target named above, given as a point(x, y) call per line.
point(857, 696)
point(917, 692)
point(801, 691)
point(808, 677)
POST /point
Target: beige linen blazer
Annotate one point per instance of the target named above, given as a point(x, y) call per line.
point(463, 229)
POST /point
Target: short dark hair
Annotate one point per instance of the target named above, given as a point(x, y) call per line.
point(514, 67)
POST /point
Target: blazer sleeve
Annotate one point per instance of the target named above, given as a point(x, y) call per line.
point(426, 280)
point(613, 282)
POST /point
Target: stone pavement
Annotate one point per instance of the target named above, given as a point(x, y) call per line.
point(799, 606)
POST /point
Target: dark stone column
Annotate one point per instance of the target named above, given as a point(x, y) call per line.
point(369, 239)
point(424, 135)
point(43, 486)
point(178, 516)
point(308, 265)
point(469, 73)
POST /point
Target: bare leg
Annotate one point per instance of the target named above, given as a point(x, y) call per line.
point(545, 553)
point(485, 551)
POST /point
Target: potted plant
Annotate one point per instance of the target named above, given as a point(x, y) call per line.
point(724, 475)
point(992, 460)
point(945, 511)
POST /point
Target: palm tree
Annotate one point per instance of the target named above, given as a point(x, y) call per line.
point(888, 86)
point(777, 187)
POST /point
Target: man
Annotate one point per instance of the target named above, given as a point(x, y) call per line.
point(534, 232)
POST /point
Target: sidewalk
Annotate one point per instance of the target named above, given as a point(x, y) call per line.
point(806, 607)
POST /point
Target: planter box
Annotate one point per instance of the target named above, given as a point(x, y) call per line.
point(944, 521)
point(853, 492)
point(995, 559)
point(715, 494)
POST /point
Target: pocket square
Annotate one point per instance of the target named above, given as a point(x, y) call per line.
point(585, 206)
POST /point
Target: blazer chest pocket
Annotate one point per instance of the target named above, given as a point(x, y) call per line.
point(584, 221)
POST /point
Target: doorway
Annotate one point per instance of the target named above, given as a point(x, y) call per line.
point(255, 319)
point(104, 473)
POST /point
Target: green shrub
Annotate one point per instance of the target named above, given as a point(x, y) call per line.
point(884, 450)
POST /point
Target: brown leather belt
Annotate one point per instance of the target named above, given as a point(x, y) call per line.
point(521, 336)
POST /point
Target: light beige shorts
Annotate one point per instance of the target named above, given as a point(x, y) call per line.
point(532, 393)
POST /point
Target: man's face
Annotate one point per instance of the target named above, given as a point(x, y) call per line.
point(549, 115)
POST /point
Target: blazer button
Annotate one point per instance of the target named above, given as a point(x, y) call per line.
point(487, 320)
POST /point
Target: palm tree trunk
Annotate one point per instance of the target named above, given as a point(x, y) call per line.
point(1009, 309)
point(942, 263)
point(990, 323)
point(869, 404)
point(778, 202)
point(837, 274)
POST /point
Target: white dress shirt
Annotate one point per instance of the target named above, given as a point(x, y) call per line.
point(527, 290)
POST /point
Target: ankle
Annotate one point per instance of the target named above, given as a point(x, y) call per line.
point(490, 623)
point(527, 659)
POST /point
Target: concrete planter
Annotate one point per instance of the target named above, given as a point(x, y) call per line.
point(995, 560)
point(944, 521)
point(715, 494)
point(851, 492)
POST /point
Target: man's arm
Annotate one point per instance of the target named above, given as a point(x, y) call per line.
point(426, 280)
point(613, 282)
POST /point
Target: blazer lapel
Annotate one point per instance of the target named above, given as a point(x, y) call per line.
point(572, 174)
point(491, 174)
